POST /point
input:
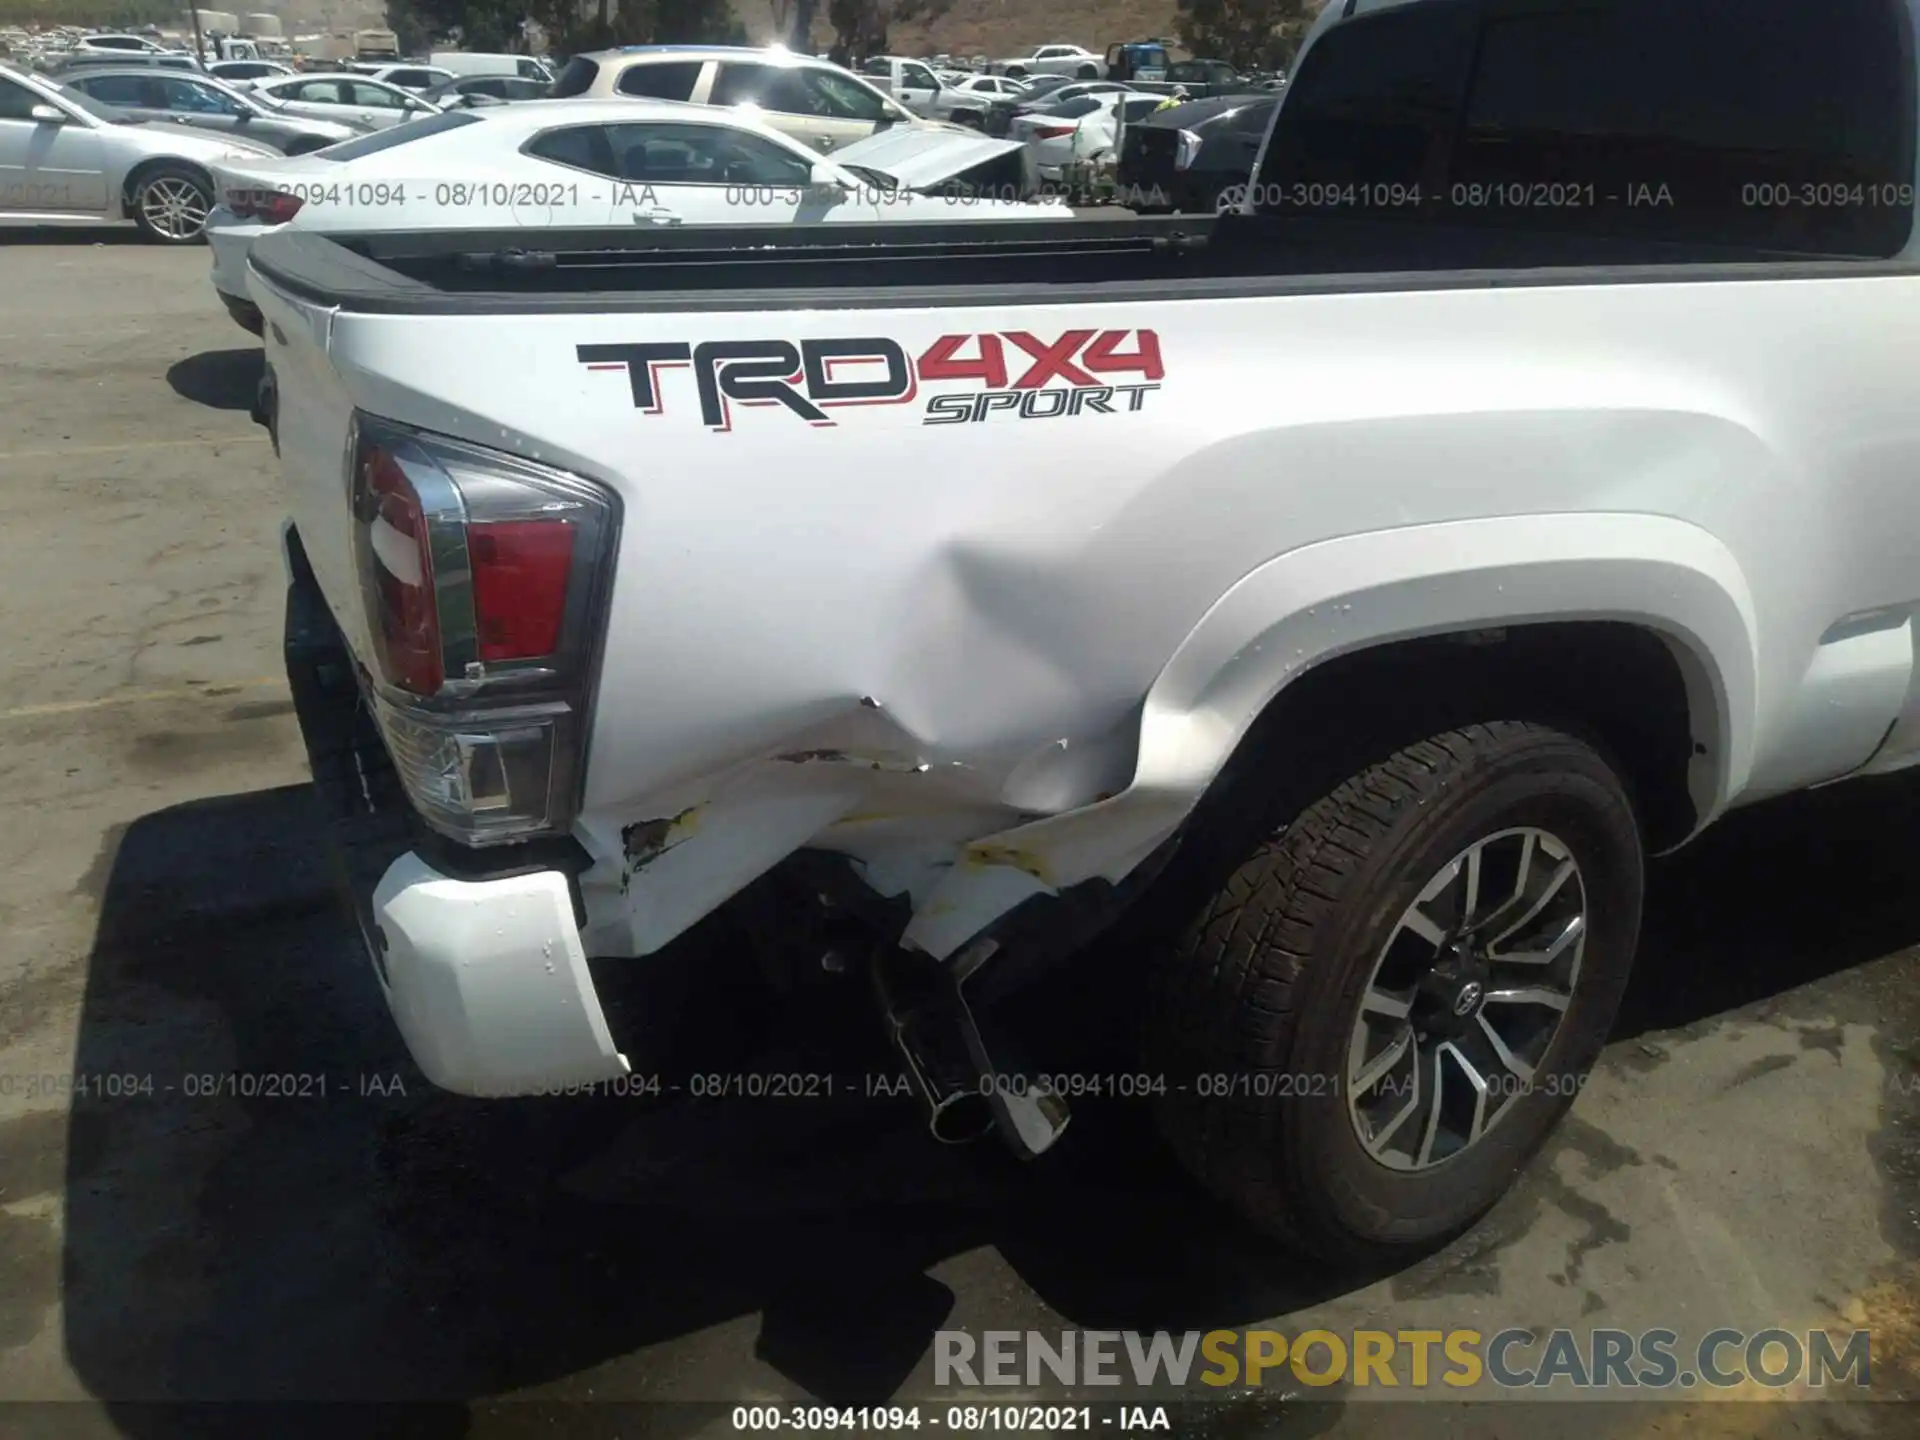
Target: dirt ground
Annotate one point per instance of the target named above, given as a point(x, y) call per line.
point(1748, 1154)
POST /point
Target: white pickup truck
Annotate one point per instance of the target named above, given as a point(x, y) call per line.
point(1525, 475)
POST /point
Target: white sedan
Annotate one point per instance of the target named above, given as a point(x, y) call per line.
point(581, 164)
point(359, 99)
point(1079, 131)
point(967, 97)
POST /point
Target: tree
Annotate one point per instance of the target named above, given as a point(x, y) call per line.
point(1250, 34)
point(793, 22)
point(570, 26)
point(860, 26)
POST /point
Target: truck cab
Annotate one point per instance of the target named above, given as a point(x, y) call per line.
point(1137, 60)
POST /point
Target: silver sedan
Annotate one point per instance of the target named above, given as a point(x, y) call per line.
point(67, 159)
point(355, 99)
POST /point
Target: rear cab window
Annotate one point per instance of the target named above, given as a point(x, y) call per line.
point(1746, 124)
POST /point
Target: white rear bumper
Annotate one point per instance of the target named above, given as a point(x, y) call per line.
point(228, 238)
point(488, 981)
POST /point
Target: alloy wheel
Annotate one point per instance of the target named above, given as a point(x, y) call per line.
point(1465, 999)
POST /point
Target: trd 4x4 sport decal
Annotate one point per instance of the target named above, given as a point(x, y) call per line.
point(1012, 373)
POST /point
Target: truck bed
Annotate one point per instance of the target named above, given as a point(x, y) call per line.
point(730, 268)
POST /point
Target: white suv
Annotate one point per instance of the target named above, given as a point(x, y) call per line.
point(814, 101)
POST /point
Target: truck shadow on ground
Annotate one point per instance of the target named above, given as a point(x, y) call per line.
point(219, 379)
point(325, 1235)
point(74, 235)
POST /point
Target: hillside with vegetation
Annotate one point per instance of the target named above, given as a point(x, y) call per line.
point(996, 28)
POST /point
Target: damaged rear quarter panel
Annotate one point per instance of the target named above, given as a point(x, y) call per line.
point(983, 606)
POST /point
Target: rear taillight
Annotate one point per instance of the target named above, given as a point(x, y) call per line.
point(270, 207)
point(397, 575)
point(481, 578)
point(520, 572)
point(1051, 132)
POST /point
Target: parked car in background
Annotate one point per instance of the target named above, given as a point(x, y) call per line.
point(153, 59)
point(566, 165)
point(1038, 96)
point(912, 82)
point(236, 72)
point(812, 100)
point(1136, 60)
point(463, 63)
point(358, 99)
point(1187, 157)
point(206, 104)
point(486, 90)
point(121, 45)
point(967, 101)
point(1083, 130)
point(418, 79)
point(65, 158)
point(1071, 60)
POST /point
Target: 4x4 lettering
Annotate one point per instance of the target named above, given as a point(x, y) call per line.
point(1052, 360)
point(1106, 358)
point(990, 369)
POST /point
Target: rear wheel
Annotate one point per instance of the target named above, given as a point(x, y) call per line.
point(1377, 1020)
point(170, 204)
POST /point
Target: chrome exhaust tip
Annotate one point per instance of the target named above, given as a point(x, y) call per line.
point(951, 1070)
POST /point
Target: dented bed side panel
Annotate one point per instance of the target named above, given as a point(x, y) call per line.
point(903, 583)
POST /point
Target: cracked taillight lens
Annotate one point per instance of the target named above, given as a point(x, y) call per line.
point(482, 579)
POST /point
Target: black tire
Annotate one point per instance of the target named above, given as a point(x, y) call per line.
point(150, 181)
point(1269, 978)
point(1086, 72)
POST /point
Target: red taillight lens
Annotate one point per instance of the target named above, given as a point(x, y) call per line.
point(405, 619)
point(1051, 132)
point(273, 207)
point(520, 572)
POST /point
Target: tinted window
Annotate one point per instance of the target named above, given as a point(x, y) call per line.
point(318, 92)
point(184, 95)
point(129, 90)
point(530, 70)
point(840, 97)
point(398, 135)
point(1073, 109)
point(770, 87)
point(576, 79)
point(672, 80)
point(1375, 103)
point(1132, 110)
point(584, 147)
point(16, 101)
point(703, 155)
point(375, 97)
point(919, 77)
point(876, 67)
point(1745, 122)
